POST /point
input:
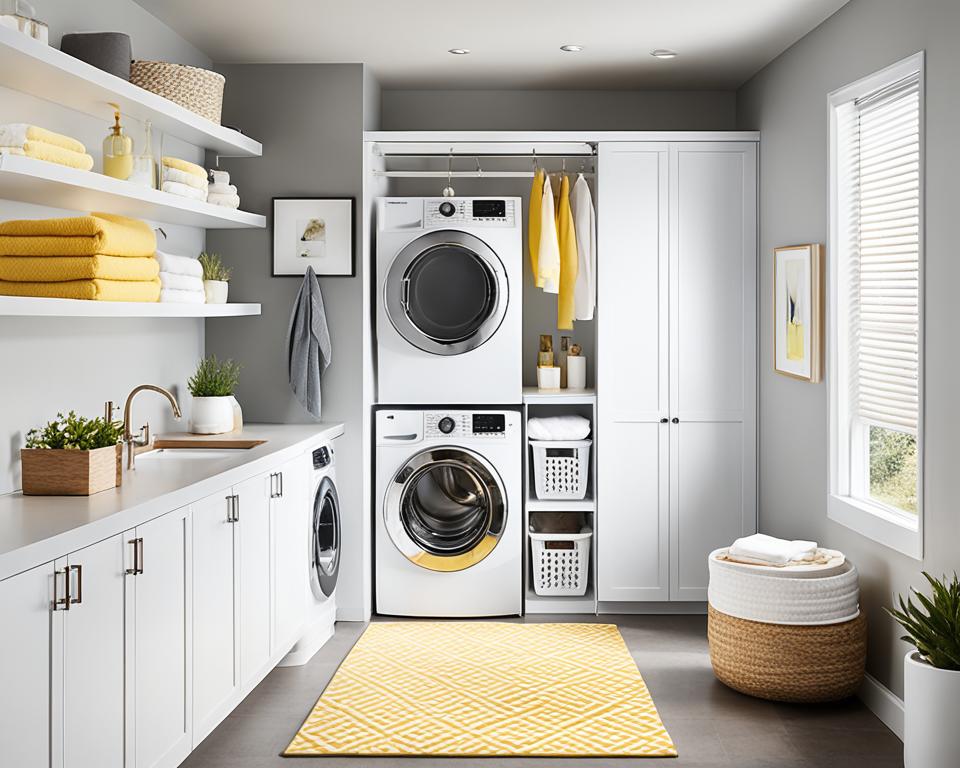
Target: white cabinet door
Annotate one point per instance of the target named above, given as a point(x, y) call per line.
point(713, 330)
point(290, 512)
point(632, 520)
point(159, 648)
point(93, 649)
point(25, 686)
point(253, 564)
point(215, 663)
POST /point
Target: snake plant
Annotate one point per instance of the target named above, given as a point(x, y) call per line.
point(934, 625)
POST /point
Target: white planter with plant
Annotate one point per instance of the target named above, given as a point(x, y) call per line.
point(214, 407)
point(216, 278)
point(931, 675)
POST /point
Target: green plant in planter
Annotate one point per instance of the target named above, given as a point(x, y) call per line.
point(76, 433)
point(936, 632)
point(214, 378)
point(214, 268)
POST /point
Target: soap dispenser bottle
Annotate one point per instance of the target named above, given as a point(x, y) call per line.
point(144, 167)
point(117, 151)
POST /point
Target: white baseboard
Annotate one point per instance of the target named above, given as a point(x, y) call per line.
point(883, 703)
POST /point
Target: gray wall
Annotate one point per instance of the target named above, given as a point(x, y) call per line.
point(787, 102)
point(309, 118)
point(481, 110)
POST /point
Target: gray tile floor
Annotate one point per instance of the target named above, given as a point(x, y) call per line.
point(711, 725)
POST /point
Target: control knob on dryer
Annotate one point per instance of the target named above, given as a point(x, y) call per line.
point(447, 209)
point(446, 425)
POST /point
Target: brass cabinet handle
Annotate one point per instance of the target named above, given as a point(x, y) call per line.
point(79, 598)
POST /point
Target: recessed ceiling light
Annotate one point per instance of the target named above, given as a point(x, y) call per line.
point(571, 48)
point(459, 51)
point(663, 53)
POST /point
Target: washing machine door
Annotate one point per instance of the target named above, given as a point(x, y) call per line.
point(446, 293)
point(445, 509)
point(325, 540)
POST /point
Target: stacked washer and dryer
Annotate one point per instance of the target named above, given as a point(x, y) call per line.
point(448, 507)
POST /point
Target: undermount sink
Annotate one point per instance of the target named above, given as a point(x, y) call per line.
point(190, 454)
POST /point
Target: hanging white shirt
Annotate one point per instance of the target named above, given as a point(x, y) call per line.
point(585, 224)
point(548, 260)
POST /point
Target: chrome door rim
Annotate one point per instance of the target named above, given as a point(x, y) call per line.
point(393, 300)
point(323, 575)
point(412, 471)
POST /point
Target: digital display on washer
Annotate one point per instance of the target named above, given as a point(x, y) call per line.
point(489, 423)
point(485, 209)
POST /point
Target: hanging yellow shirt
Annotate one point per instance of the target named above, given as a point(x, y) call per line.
point(568, 258)
point(533, 228)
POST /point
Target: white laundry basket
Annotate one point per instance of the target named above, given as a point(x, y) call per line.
point(560, 562)
point(561, 468)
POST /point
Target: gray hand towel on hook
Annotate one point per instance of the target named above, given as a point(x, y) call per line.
point(308, 343)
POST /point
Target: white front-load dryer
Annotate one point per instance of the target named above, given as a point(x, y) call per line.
point(448, 515)
point(449, 316)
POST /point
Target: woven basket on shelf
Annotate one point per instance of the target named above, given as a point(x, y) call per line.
point(780, 662)
point(199, 90)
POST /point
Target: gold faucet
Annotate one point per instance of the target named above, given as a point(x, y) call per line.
point(142, 441)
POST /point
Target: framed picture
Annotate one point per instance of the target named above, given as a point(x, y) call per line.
point(798, 311)
point(315, 232)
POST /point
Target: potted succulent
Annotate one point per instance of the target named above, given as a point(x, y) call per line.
point(216, 278)
point(931, 678)
point(72, 456)
point(215, 410)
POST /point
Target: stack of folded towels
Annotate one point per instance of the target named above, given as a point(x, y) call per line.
point(100, 256)
point(181, 279)
point(41, 144)
point(183, 178)
point(222, 192)
point(760, 549)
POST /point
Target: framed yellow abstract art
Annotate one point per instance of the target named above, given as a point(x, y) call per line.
point(798, 311)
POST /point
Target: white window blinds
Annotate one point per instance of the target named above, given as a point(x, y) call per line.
point(880, 135)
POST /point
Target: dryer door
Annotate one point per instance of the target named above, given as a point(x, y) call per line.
point(445, 509)
point(446, 292)
point(325, 540)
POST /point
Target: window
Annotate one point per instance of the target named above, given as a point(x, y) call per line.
point(876, 306)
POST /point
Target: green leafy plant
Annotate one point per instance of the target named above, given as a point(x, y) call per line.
point(936, 632)
point(213, 267)
point(76, 433)
point(214, 378)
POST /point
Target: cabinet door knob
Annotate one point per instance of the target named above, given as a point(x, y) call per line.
point(664, 420)
point(675, 420)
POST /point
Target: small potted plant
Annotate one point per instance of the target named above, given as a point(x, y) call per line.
point(216, 278)
point(931, 675)
point(72, 456)
point(215, 410)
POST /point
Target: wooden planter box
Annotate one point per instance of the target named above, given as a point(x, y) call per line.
point(48, 472)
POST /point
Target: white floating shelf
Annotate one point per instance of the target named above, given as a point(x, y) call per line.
point(535, 396)
point(561, 505)
point(32, 67)
point(16, 306)
point(36, 181)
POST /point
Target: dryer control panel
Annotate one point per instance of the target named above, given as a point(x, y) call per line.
point(480, 424)
point(443, 212)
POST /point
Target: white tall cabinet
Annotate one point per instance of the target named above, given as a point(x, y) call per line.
point(676, 379)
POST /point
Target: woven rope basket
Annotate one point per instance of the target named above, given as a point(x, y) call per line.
point(199, 90)
point(804, 664)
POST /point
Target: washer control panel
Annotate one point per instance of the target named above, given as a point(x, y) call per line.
point(474, 211)
point(478, 424)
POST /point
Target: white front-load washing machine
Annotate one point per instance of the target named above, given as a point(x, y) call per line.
point(322, 557)
point(448, 515)
point(449, 316)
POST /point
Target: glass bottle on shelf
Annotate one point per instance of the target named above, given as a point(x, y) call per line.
point(117, 151)
point(144, 167)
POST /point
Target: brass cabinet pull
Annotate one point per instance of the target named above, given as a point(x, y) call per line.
point(79, 598)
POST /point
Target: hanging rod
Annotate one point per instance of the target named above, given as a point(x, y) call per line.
point(502, 155)
point(468, 174)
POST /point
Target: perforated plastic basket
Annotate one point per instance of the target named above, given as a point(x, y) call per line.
point(560, 562)
point(561, 468)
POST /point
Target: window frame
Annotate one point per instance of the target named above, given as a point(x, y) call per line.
point(875, 520)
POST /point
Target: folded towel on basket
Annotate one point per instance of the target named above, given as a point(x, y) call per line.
point(761, 549)
point(18, 134)
point(568, 427)
point(51, 153)
point(177, 282)
point(43, 269)
point(183, 165)
point(96, 234)
point(182, 177)
point(183, 190)
point(174, 296)
point(227, 201)
point(97, 290)
point(179, 265)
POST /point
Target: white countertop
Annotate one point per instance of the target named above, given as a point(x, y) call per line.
point(37, 529)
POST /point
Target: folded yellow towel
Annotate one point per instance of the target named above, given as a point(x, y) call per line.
point(97, 290)
point(17, 134)
point(50, 153)
point(185, 166)
point(99, 233)
point(43, 269)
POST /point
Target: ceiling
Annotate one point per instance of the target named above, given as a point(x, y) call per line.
point(513, 43)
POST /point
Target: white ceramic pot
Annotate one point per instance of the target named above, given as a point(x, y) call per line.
point(215, 291)
point(931, 698)
point(212, 415)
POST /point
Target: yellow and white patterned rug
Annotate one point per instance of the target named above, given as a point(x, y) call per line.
point(486, 689)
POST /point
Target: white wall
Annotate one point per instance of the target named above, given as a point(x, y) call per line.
point(787, 102)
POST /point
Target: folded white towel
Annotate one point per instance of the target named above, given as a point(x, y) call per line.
point(12, 151)
point(181, 282)
point(568, 427)
point(179, 265)
point(173, 296)
point(182, 177)
point(182, 190)
point(222, 189)
point(768, 550)
point(220, 177)
point(228, 201)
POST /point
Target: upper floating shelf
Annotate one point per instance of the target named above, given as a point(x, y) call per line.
point(22, 306)
point(535, 396)
point(32, 67)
